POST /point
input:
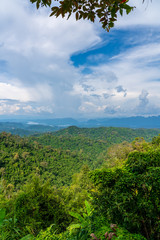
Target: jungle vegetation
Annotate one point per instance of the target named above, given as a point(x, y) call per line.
point(78, 184)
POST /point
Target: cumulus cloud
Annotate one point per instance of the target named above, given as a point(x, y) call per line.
point(143, 99)
point(15, 107)
point(35, 55)
point(37, 76)
point(131, 71)
point(11, 91)
point(121, 89)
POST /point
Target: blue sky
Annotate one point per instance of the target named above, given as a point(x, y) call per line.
point(51, 67)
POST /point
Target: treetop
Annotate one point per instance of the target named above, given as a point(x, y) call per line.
point(105, 10)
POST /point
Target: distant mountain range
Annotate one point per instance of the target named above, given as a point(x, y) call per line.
point(131, 122)
point(30, 126)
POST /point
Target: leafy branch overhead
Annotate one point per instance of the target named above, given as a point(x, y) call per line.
point(105, 10)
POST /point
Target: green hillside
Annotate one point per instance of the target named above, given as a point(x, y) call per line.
point(86, 147)
point(20, 158)
point(74, 186)
point(91, 144)
point(59, 155)
point(109, 134)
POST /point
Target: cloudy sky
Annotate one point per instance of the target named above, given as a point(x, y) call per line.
point(51, 67)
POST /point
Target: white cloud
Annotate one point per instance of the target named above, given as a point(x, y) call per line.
point(6, 108)
point(39, 78)
point(132, 71)
point(32, 32)
point(8, 91)
point(144, 14)
point(37, 50)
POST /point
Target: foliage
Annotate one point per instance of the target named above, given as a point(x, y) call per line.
point(99, 232)
point(105, 11)
point(125, 191)
point(74, 196)
point(108, 235)
point(9, 229)
point(85, 220)
point(129, 196)
point(37, 206)
point(80, 145)
point(111, 135)
point(50, 234)
point(69, 150)
point(122, 234)
point(20, 159)
point(92, 143)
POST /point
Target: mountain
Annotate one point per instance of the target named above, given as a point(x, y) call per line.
point(24, 126)
point(111, 135)
point(60, 154)
point(25, 129)
point(20, 158)
point(130, 122)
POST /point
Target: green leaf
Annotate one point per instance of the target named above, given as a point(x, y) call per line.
point(85, 215)
point(128, 10)
point(38, 4)
point(77, 215)
point(2, 215)
point(121, 11)
point(74, 226)
point(27, 237)
point(88, 208)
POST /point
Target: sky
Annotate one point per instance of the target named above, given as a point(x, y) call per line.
point(54, 68)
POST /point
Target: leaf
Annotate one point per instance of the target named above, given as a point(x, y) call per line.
point(77, 16)
point(27, 237)
point(77, 215)
point(128, 10)
point(33, 1)
point(59, 12)
point(68, 16)
point(121, 11)
point(2, 215)
point(111, 24)
point(102, 19)
point(54, 11)
point(38, 4)
point(85, 215)
point(74, 226)
point(88, 208)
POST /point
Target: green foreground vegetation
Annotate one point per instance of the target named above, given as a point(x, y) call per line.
point(80, 184)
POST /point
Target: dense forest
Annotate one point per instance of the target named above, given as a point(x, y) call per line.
point(80, 184)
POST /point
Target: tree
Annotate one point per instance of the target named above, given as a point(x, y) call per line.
point(129, 196)
point(36, 206)
point(105, 10)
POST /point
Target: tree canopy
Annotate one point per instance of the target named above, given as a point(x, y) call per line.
point(105, 10)
point(124, 191)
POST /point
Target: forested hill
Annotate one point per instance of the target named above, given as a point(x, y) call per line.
point(41, 199)
point(92, 143)
point(20, 159)
point(61, 154)
point(111, 135)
